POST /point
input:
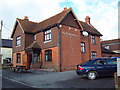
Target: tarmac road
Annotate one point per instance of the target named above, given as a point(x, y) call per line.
point(68, 79)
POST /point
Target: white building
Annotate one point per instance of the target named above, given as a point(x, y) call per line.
point(6, 49)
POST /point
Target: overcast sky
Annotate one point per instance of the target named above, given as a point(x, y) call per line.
point(103, 13)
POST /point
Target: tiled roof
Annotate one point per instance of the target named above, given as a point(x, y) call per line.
point(90, 28)
point(111, 41)
point(32, 27)
point(7, 43)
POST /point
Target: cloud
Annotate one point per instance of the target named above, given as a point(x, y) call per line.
point(36, 10)
point(103, 13)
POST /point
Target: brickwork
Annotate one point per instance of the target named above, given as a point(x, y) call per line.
point(93, 47)
point(19, 32)
point(70, 47)
point(55, 63)
point(23, 60)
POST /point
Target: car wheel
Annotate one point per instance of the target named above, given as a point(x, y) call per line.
point(91, 75)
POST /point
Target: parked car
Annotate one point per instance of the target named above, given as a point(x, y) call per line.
point(97, 67)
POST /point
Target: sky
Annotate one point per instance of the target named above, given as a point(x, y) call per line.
point(103, 13)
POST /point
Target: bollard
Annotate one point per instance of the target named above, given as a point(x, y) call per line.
point(116, 81)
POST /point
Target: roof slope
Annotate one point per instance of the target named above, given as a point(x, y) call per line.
point(7, 43)
point(34, 45)
point(111, 41)
point(33, 27)
point(90, 28)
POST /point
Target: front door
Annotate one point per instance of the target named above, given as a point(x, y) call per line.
point(29, 60)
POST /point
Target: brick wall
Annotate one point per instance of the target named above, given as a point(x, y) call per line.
point(17, 33)
point(93, 47)
point(23, 60)
point(55, 63)
point(54, 39)
point(70, 47)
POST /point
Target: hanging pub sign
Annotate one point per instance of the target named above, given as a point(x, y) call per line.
point(118, 66)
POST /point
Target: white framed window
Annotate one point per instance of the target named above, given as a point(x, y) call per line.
point(82, 47)
point(93, 39)
point(93, 55)
point(18, 41)
point(107, 47)
point(47, 35)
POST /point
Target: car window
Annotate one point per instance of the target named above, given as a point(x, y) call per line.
point(100, 62)
point(111, 61)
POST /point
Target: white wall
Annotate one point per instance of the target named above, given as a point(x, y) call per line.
point(6, 53)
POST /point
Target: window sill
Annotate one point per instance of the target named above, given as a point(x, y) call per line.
point(18, 63)
point(18, 46)
point(47, 41)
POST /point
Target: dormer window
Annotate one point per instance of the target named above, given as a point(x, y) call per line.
point(47, 35)
point(18, 41)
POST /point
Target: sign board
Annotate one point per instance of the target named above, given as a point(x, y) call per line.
point(118, 66)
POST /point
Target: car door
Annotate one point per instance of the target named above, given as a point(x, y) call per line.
point(111, 66)
point(100, 67)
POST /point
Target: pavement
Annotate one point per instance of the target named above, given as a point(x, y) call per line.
point(67, 79)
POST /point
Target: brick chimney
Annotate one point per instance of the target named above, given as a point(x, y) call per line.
point(87, 19)
point(26, 18)
point(65, 8)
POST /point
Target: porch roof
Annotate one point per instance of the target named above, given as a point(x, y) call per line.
point(34, 45)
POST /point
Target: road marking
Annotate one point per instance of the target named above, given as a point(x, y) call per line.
point(19, 82)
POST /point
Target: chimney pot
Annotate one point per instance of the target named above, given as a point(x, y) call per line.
point(26, 18)
point(87, 19)
point(65, 8)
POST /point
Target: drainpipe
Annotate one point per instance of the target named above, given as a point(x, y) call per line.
point(59, 43)
point(89, 46)
point(41, 60)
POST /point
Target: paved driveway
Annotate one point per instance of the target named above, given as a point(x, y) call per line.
point(68, 79)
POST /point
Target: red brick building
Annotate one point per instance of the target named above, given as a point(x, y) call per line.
point(111, 48)
point(59, 42)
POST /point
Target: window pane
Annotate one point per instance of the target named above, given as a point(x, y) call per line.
point(46, 57)
point(18, 41)
point(82, 47)
point(48, 37)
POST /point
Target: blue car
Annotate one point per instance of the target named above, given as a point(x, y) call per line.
point(97, 67)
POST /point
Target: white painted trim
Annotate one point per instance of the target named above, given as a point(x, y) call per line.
point(47, 41)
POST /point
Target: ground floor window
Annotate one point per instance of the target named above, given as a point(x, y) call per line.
point(48, 55)
point(18, 59)
point(93, 55)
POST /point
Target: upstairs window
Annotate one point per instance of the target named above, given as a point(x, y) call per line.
point(93, 39)
point(107, 47)
point(82, 47)
point(93, 55)
point(48, 55)
point(18, 41)
point(18, 58)
point(47, 35)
